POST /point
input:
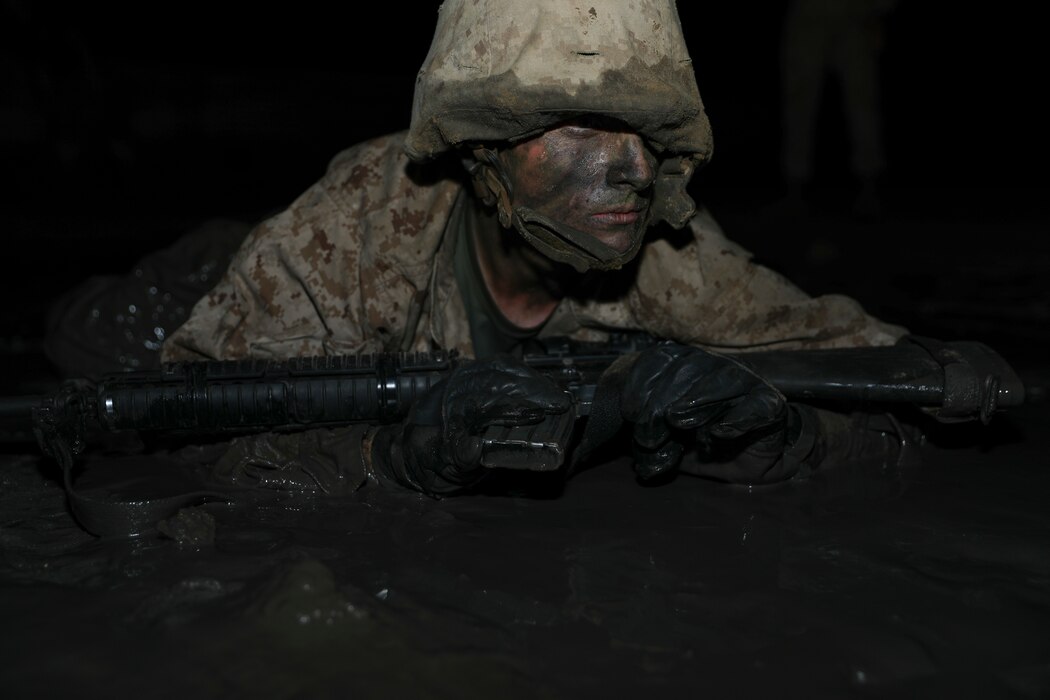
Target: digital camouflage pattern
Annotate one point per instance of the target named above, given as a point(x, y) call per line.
point(362, 262)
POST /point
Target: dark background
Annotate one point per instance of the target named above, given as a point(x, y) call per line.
point(121, 127)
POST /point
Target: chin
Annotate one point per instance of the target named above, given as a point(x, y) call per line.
point(620, 241)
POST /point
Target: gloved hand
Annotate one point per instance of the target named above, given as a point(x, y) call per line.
point(675, 394)
point(437, 447)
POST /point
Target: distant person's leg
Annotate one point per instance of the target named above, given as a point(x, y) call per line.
point(803, 71)
point(857, 65)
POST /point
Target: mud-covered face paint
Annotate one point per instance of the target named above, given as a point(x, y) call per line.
point(584, 189)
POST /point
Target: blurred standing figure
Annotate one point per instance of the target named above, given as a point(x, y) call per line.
point(840, 38)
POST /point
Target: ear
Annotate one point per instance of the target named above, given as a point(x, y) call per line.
point(490, 182)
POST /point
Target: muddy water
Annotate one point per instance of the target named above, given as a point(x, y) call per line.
point(931, 583)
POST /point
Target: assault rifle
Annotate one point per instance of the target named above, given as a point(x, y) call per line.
point(955, 381)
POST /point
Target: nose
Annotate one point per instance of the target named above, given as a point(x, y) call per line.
point(631, 163)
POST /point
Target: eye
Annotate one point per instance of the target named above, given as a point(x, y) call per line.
point(578, 132)
point(587, 125)
point(581, 127)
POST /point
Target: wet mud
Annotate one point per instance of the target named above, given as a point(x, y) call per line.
point(933, 581)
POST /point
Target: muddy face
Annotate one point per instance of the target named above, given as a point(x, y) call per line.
point(591, 175)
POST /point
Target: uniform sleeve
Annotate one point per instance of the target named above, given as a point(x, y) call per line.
point(291, 290)
point(707, 291)
point(245, 313)
point(338, 272)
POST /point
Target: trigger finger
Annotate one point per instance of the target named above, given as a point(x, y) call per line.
point(540, 392)
point(521, 412)
point(514, 415)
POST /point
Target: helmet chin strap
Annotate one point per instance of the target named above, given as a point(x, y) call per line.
point(571, 245)
point(557, 241)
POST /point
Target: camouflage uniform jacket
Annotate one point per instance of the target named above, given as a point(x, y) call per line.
point(362, 262)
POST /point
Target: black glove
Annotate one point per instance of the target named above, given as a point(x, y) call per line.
point(677, 394)
point(437, 447)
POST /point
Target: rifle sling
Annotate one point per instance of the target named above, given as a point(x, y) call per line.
point(107, 516)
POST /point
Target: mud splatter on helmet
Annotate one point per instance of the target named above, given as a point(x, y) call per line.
point(502, 71)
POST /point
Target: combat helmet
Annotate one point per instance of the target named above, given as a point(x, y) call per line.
point(502, 71)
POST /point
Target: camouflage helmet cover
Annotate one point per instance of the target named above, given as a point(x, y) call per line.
point(505, 70)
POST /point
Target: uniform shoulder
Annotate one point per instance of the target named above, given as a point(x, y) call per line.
point(710, 235)
point(376, 149)
point(367, 177)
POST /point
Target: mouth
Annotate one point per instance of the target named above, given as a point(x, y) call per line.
point(618, 216)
